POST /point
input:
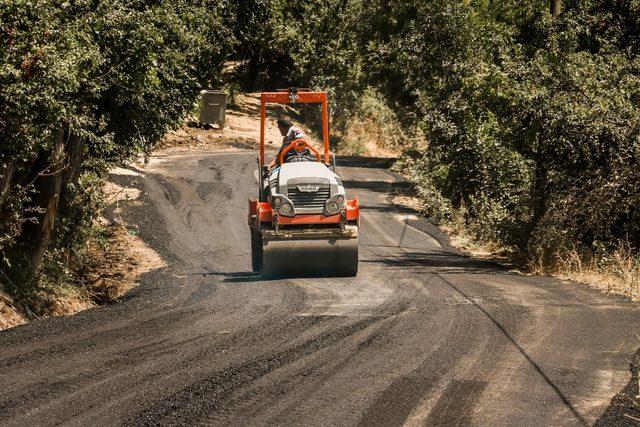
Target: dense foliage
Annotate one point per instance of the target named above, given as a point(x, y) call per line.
point(84, 84)
point(532, 120)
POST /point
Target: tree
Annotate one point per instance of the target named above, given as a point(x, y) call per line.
point(86, 84)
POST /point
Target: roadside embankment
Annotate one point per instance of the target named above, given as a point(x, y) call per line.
point(100, 271)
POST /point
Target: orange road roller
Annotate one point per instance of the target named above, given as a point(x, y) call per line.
point(302, 222)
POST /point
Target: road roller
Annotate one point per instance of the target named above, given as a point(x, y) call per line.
point(302, 222)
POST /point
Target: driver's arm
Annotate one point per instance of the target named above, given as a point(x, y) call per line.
point(274, 162)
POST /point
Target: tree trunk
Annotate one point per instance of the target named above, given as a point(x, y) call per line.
point(555, 8)
point(75, 155)
point(48, 184)
point(74, 150)
point(6, 177)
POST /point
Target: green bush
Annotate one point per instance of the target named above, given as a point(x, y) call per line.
point(532, 121)
point(86, 85)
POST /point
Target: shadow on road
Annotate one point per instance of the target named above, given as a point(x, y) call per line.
point(252, 276)
point(441, 262)
point(231, 277)
point(624, 408)
point(378, 186)
point(365, 162)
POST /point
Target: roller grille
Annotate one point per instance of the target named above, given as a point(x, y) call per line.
point(303, 199)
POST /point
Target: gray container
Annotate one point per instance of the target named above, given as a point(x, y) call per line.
point(213, 107)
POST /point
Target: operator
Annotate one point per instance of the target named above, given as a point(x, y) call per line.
point(290, 133)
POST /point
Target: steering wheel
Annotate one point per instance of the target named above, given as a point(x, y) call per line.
point(298, 145)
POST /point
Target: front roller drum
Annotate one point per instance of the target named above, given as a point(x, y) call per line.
point(310, 257)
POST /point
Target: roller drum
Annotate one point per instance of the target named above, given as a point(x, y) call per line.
point(310, 257)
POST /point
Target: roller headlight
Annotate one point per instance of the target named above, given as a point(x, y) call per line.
point(277, 200)
point(286, 210)
point(340, 199)
point(333, 208)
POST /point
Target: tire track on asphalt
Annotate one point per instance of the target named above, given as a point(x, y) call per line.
point(223, 346)
point(211, 394)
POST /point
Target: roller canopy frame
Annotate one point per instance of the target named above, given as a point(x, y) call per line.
point(295, 96)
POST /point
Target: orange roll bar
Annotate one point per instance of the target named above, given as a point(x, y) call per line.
point(303, 96)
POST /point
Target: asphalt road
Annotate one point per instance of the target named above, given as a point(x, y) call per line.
point(421, 336)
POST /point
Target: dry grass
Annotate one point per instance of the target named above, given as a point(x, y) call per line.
point(365, 137)
point(114, 269)
point(373, 129)
point(616, 271)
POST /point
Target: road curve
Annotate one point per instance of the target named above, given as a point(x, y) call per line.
point(422, 336)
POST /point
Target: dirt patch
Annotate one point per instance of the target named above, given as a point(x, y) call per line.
point(114, 270)
point(107, 267)
point(10, 315)
point(408, 202)
point(193, 138)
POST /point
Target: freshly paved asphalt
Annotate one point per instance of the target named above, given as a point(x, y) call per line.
point(422, 336)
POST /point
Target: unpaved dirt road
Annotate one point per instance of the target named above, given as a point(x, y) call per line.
point(420, 336)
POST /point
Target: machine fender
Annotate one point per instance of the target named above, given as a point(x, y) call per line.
point(260, 210)
point(264, 211)
point(253, 208)
point(353, 209)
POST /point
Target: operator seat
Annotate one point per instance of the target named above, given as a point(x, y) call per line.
point(297, 156)
point(303, 156)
